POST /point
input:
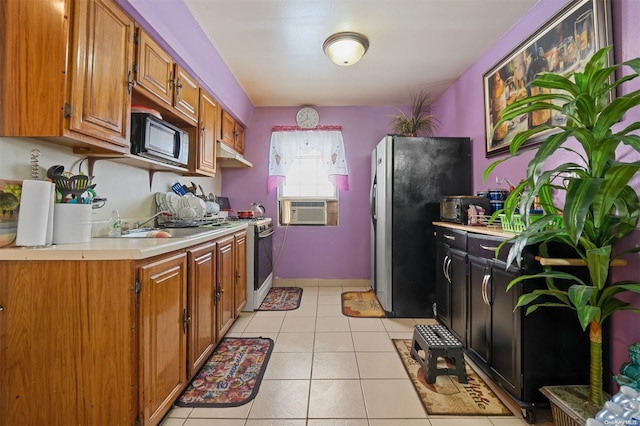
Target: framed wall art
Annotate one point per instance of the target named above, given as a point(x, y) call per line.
point(562, 45)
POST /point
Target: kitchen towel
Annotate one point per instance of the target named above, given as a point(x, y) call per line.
point(35, 222)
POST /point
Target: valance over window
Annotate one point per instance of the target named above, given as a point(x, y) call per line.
point(287, 142)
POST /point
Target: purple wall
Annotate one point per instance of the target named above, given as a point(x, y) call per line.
point(461, 107)
point(316, 252)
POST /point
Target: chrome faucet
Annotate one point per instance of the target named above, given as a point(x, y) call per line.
point(155, 216)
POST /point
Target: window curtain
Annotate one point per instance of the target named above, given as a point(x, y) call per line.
point(288, 141)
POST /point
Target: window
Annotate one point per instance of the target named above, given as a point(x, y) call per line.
point(307, 178)
point(308, 168)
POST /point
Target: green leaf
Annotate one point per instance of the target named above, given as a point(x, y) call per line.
point(580, 295)
point(598, 261)
point(586, 314)
point(580, 195)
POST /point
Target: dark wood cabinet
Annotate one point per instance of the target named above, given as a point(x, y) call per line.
point(451, 281)
point(519, 352)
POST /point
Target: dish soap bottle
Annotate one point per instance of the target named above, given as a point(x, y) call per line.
point(115, 225)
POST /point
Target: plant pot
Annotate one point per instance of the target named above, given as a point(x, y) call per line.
point(568, 404)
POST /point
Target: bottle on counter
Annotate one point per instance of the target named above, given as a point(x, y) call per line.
point(115, 224)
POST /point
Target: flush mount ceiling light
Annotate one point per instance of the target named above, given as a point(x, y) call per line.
point(345, 48)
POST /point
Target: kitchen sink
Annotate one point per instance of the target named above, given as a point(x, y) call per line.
point(162, 233)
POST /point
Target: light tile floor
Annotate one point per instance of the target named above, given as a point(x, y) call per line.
point(329, 369)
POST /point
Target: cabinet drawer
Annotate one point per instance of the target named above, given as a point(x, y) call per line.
point(452, 237)
point(486, 246)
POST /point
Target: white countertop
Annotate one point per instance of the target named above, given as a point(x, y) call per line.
point(496, 232)
point(116, 248)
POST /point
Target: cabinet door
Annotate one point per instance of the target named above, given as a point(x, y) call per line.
point(238, 144)
point(226, 278)
point(67, 326)
point(479, 308)
point(154, 69)
point(458, 274)
point(443, 285)
point(241, 272)
point(186, 97)
point(163, 342)
point(206, 150)
point(101, 70)
point(506, 329)
point(201, 294)
point(227, 129)
point(33, 69)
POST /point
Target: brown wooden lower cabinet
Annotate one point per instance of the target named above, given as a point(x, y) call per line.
point(241, 272)
point(67, 343)
point(163, 322)
point(225, 285)
point(109, 342)
point(201, 295)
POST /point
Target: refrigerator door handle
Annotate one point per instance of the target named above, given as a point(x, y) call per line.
point(372, 200)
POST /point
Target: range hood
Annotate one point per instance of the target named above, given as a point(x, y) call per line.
point(227, 157)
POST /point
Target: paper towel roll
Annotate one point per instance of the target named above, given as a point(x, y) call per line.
point(35, 221)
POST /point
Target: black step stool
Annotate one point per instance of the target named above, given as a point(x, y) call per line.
point(436, 341)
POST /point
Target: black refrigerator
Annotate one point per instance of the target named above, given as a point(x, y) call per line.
point(409, 177)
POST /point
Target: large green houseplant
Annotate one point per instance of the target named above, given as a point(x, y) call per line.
point(587, 202)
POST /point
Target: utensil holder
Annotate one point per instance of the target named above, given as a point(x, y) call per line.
point(71, 223)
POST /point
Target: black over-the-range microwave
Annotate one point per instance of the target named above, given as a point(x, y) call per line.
point(158, 140)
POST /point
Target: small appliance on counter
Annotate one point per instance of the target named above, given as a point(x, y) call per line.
point(158, 140)
point(453, 208)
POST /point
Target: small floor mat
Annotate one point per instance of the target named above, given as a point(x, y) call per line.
point(361, 304)
point(231, 376)
point(281, 299)
point(447, 395)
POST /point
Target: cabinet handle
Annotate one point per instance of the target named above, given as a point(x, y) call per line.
point(1, 308)
point(488, 248)
point(449, 237)
point(172, 82)
point(449, 270)
point(445, 268)
point(485, 285)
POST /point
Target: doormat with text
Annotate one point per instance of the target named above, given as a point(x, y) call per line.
point(446, 395)
point(231, 376)
point(281, 299)
point(361, 304)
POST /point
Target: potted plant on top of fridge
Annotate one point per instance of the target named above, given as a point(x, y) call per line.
point(588, 200)
point(420, 121)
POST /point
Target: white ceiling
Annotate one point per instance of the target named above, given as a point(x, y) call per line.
point(274, 47)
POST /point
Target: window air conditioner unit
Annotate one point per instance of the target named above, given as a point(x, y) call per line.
point(304, 212)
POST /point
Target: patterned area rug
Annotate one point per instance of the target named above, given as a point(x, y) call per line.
point(282, 299)
point(446, 395)
point(361, 304)
point(232, 375)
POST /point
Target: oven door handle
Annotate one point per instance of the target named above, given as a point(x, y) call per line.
point(268, 234)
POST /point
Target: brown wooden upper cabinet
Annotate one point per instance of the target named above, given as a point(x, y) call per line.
point(66, 72)
point(159, 78)
point(205, 153)
point(231, 132)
